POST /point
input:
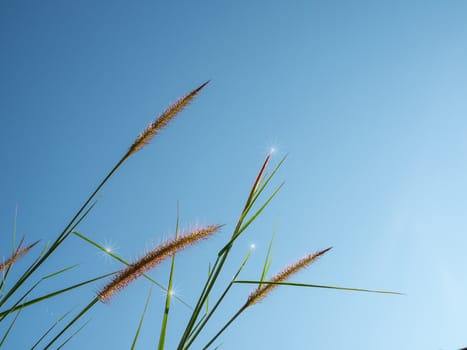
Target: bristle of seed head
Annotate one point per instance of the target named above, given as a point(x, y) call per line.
point(263, 290)
point(153, 128)
point(153, 258)
point(19, 253)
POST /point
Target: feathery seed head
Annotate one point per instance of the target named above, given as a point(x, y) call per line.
point(153, 128)
point(263, 290)
point(17, 255)
point(153, 258)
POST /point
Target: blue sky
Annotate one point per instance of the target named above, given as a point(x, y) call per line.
point(368, 100)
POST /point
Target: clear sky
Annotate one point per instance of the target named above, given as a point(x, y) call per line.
point(368, 98)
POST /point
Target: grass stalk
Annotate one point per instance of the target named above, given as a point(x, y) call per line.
point(202, 324)
point(169, 292)
point(135, 339)
point(50, 329)
point(222, 255)
point(224, 252)
point(77, 317)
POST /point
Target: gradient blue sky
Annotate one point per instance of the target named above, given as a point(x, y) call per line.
point(367, 97)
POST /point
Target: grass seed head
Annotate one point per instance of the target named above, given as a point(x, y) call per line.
point(153, 258)
point(263, 290)
point(19, 253)
point(153, 128)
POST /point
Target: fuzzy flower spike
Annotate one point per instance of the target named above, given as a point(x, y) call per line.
point(19, 253)
point(153, 258)
point(263, 290)
point(153, 128)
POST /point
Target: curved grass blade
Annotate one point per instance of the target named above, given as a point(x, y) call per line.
point(16, 305)
point(9, 328)
point(317, 286)
point(39, 261)
point(53, 294)
point(71, 336)
point(50, 329)
point(255, 215)
point(133, 345)
point(207, 297)
point(221, 258)
point(202, 324)
point(169, 293)
point(4, 314)
point(77, 317)
point(229, 322)
point(268, 260)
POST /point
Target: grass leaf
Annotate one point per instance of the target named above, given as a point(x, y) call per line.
point(135, 339)
point(316, 286)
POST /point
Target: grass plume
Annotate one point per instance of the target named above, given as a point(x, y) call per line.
point(153, 258)
point(19, 253)
point(153, 128)
point(263, 290)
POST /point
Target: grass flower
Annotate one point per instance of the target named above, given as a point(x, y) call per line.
point(153, 128)
point(263, 290)
point(19, 253)
point(153, 258)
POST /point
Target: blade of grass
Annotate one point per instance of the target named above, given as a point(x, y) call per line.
point(229, 322)
point(71, 336)
point(202, 324)
point(250, 220)
point(16, 305)
point(39, 261)
point(50, 329)
point(207, 297)
point(266, 180)
point(221, 258)
point(259, 211)
point(9, 328)
point(53, 294)
point(317, 286)
point(77, 317)
point(169, 292)
point(135, 339)
point(267, 261)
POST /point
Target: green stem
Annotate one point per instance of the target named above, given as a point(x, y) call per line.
point(77, 317)
point(243, 308)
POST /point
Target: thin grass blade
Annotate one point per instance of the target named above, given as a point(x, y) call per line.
point(293, 284)
point(169, 293)
point(50, 329)
point(77, 317)
point(71, 336)
point(268, 260)
point(135, 339)
point(53, 294)
point(9, 328)
point(201, 325)
point(221, 258)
